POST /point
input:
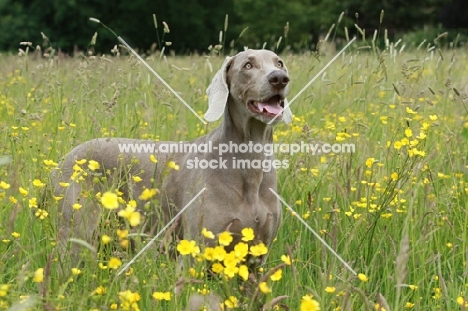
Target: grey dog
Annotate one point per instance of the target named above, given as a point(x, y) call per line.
point(249, 90)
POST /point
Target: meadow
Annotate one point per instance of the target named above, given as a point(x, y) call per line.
point(395, 209)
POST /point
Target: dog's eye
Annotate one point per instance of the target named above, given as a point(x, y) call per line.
point(280, 64)
point(248, 66)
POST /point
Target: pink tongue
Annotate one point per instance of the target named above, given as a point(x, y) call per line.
point(273, 108)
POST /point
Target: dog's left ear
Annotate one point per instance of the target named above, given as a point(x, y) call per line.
point(218, 93)
point(287, 114)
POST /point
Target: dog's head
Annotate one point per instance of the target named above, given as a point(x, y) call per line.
point(255, 80)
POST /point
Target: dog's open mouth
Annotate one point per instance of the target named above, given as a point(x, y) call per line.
point(270, 107)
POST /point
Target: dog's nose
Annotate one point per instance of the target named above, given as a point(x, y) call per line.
point(278, 79)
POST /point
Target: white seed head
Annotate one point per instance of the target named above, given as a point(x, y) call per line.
point(244, 31)
point(226, 22)
point(115, 49)
point(166, 27)
point(93, 39)
point(95, 20)
point(341, 17)
point(155, 21)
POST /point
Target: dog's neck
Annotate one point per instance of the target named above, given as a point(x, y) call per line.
point(239, 128)
point(242, 130)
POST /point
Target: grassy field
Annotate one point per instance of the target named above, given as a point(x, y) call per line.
point(395, 209)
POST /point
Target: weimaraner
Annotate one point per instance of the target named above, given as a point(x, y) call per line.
point(250, 89)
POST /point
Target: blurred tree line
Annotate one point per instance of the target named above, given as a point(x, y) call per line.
point(194, 25)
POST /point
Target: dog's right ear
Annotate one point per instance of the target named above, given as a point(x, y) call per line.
point(218, 93)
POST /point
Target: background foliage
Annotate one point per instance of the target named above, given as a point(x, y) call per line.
point(195, 24)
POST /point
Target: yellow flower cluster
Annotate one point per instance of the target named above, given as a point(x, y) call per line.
point(230, 264)
point(411, 141)
point(129, 300)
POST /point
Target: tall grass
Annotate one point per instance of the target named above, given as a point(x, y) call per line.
point(395, 209)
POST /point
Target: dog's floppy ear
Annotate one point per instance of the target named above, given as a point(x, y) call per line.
point(287, 114)
point(218, 93)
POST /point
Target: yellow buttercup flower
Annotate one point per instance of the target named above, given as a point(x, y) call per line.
point(264, 288)
point(50, 163)
point(225, 238)
point(114, 263)
point(217, 268)
point(370, 162)
point(100, 290)
point(122, 234)
point(148, 194)
point(219, 253)
point(258, 250)
point(4, 185)
point(362, 277)
point(106, 239)
point(461, 301)
point(409, 305)
point(408, 132)
point(136, 178)
point(241, 250)
point(39, 275)
point(23, 191)
point(93, 165)
point(186, 247)
point(243, 272)
point(173, 165)
point(41, 214)
point(82, 161)
point(162, 296)
point(4, 290)
point(286, 259)
point(32, 202)
point(330, 289)
point(397, 145)
point(133, 217)
point(247, 234)
point(230, 270)
point(277, 275)
point(231, 302)
point(208, 254)
point(76, 271)
point(208, 234)
point(410, 111)
point(110, 200)
point(309, 304)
